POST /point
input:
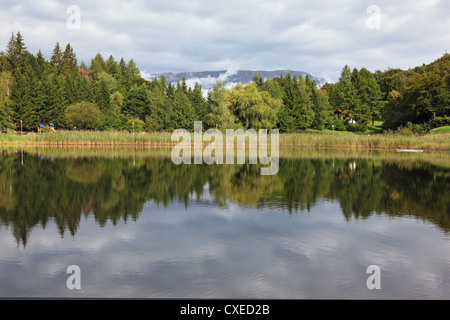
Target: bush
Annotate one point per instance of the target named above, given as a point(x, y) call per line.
point(339, 125)
point(403, 131)
point(139, 125)
point(112, 122)
point(418, 128)
point(356, 127)
point(83, 115)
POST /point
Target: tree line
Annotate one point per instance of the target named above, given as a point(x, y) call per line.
point(111, 95)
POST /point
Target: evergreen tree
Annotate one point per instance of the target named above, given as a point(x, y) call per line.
point(6, 80)
point(42, 65)
point(258, 81)
point(371, 95)
point(86, 90)
point(26, 94)
point(55, 101)
point(97, 66)
point(16, 54)
point(180, 113)
point(136, 103)
point(55, 60)
point(68, 62)
point(3, 62)
point(201, 107)
point(112, 67)
point(102, 95)
point(72, 93)
point(320, 105)
point(157, 120)
point(347, 94)
point(296, 112)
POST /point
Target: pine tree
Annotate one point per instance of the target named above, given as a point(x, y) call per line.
point(320, 106)
point(16, 54)
point(72, 93)
point(55, 102)
point(86, 90)
point(102, 96)
point(55, 59)
point(26, 94)
point(304, 113)
point(97, 66)
point(157, 120)
point(6, 79)
point(371, 95)
point(112, 67)
point(42, 65)
point(201, 107)
point(347, 94)
point(136, 103)
point(69, 62)
point(180, 114)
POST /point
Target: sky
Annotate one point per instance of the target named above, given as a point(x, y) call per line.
point(319, 37)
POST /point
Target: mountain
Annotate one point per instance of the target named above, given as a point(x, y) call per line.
point(207, 79)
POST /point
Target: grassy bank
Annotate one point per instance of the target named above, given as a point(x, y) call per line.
point(429, 142)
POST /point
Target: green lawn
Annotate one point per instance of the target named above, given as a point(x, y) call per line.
point(445, 129)
point(376, 128)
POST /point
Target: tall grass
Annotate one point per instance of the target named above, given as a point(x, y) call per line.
point(373, 142)
point(431, 142)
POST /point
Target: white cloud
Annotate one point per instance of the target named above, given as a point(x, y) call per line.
point(161, 36)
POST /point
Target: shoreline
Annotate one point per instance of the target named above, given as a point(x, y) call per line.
point(429, 142)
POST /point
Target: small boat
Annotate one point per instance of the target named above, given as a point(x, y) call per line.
point(408, 150)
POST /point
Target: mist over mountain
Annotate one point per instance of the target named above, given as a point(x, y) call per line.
point(207, 79)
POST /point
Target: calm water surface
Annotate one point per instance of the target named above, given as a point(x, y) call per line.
point(139, 226)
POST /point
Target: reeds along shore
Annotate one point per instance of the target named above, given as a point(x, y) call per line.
point(430, 142)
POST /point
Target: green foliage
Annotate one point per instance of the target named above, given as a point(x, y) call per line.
point(423, 95)
point(136, 102)
point(135, 125)
point(36, 90)
point(220, 115)
point(253, 109)
point(112, 121)
point(439, 122)
point(339, 125)
point(83, 115)
point(296, 112)
point(418, 128)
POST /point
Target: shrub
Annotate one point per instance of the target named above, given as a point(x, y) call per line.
point(139, 125)
point(403, 131)
point(356, 127)
point(418, 128)
point(83, 115)
point(339, 125)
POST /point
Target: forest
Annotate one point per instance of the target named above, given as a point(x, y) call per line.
point(110, 94)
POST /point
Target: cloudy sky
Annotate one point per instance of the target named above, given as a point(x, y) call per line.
point(318, 37)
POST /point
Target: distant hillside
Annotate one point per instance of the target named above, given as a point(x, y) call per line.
point(207, 79)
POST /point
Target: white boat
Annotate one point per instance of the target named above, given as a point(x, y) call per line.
point(408, 150)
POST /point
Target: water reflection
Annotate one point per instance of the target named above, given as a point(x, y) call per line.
point(39, 187)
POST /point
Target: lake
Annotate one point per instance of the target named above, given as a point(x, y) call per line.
point(138, 226)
